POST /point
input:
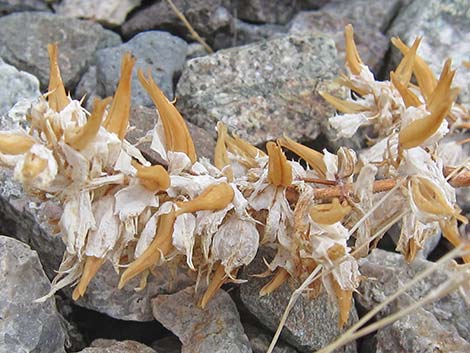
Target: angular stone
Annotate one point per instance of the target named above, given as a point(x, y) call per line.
point(206, 16)
point(241, 33)
point(312, 323)
point(419, 332)
point(103, 295)
point(77, 40)
point(87, 87)
point(15, 85)
point(444, 25)
point(113, 346)
point(26, 326)
point(159, 51)
point(216, 328)
point(9, 6)
point(111, 13)
point(389, 271)
point(369, 18)
point(264, 90)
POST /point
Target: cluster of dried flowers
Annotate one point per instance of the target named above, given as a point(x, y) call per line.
point(117, 207)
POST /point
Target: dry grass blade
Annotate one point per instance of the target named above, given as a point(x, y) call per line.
point(190, 28)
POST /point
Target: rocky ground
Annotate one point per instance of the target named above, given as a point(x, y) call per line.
point(271, 59)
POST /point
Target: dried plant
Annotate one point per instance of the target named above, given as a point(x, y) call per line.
point(318, 219)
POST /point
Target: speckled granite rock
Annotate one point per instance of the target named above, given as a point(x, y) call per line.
point(369, 18)
point(9, 6)
point(444, 25)
point(112, 13)
point(163, 53)
point(206, 16)
point(389, 271)
point(77, 39)
point(15, 85)
point(217, 328)
point(263, 90)
point(26, 326)
point(320, 313)
point(113, 346)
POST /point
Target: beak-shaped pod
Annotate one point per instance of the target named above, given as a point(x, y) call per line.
point(161, 245)
point(423, 73)
point(428, 198)
point(177, 137)
point(154, 178)
point(216, 282)
point(118, 117)
point(278, 280)
point(214, 198)
point(345, 107)
point(439, 104)
point(33, 166)
point(279, 169)
point(57, 97)
point(353, 60)
point(329, 213)
point(92, 265)
point(312, 157)
point(88, 132)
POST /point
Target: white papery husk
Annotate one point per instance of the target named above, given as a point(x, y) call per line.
point(184, 236)
point(235, 243)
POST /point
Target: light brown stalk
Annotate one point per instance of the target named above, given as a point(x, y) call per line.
point(329, 193)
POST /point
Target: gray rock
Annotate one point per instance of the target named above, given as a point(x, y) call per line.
point(113, 346)
point(389, 271)
point(160, 51)
point(429, 245)
point(76, 340)
point(262, 90)
point(369, 18)
point(9, 6)
point(419, 332)
point(206, 16)
point(169, 344)
point(104, 296)
point(240, 33)
point(312, 323)
point(444, 25)
point(15, 85)
point(195, 50)
point(260, 341)
point(265, 11)
point(217, 328)
point(87, 88)
point(110, 12)
point(26, 326)
point(77, 40)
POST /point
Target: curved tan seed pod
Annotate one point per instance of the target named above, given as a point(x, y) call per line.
point(278, 280)
point(329, 213)
point(214, 198)
point(177, 136)
point(57, 97)
point(221, 160)
point(118, 116)
point(154, 178)
point(353, 60)
point(14, 144)
point(279, 169)
point(309, 155)
point(92, 265)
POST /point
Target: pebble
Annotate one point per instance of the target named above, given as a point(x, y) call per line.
point(110, 12)
point(159, 51)
point(77, 41)
point(217, 328)
point(113, 346)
